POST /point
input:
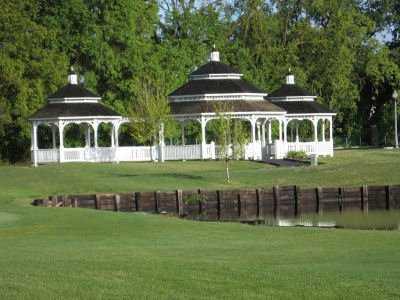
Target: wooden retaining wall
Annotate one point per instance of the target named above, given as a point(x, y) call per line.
point(242, 205)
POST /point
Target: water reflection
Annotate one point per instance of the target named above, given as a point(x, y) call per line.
point(374, 220)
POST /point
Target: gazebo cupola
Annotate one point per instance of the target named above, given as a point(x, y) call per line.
point(73, 104)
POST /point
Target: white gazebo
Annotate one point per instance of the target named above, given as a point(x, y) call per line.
point(73, 104)
point(216, 82)
point(212, 84)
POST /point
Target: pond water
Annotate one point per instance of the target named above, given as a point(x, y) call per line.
point(374, 220)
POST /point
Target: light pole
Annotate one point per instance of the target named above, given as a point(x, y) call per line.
point(396, 136)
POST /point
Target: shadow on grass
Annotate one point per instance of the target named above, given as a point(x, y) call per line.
point(169, 175)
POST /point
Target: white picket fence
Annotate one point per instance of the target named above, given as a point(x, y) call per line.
point(252, 151)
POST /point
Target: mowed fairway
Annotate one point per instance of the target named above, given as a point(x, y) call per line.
point(65, 253)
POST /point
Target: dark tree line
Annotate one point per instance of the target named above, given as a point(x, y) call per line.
point(336, 49)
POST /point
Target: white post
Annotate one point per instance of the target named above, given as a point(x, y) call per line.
point(203, 124)
point(315, 123)
point(95, 135)
point(61, 137)
point(161, 143)
point(280, 130)
point(285, 133)
point(112, 136)
point(263, 134)
point(258, 131)
point(87, 136)
point(323, 130)
point(53, 136)
point(396, 135)
point(183, 133)
point(270, 131)
point(95, 130)
point(253, 136)
point(297, 131)
point(212, 150)
point(34, 144)
point(116, 142)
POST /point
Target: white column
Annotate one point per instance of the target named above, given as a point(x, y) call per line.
point(34, 144)
point(258, 131)
point(270, 132)
point(280, 130)
point(253, 122)
point(53, 136)
point(95, 130)
point(183, 133)
point(253, 130)
point(116, 141)
point(297, 131)
point(285, 133)
point(315, 123)
point(323, 130)
point(161, 144)
point(112, 136)
point(87, 136)
point(93, 155)
point(330, 130)
point(61, 137)
point(263, 133)
point(203, 123)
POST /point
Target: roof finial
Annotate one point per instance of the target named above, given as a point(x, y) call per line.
point(290, 77)
point(214, 56)
point(72, 77)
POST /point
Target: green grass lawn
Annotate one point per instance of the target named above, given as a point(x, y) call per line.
point(48, 253)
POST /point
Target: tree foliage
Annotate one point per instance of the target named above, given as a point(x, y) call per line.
point(345, 51)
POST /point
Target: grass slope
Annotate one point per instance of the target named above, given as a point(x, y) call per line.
point(87, 254)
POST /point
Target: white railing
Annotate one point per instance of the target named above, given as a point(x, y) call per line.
point(47, 155)
point(73, 154)
point(210, 151)
point(281, 149)
point(137, 153)
point(180, 152)
point(253, 151)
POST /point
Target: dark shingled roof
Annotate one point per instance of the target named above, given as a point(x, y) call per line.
point(178, 108)
point(303, 107)
point(56, 110)
point(215, 67)
point(217, 86)
point(73, 91)
point(289, 90)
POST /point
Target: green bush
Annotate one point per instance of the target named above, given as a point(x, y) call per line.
point(301, 155)
point(195, 199)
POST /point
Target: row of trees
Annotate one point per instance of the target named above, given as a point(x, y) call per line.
point(346, 51)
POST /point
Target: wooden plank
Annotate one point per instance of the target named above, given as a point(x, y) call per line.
point(219, 197)
point(387, 196)
point(179, 203)
point(200, 202)
point(137, 201)
point(258, 199)
point(296, 201)
point(364, 198)
point(117, 202)
point(239, 205)
point(319, 193)
point(277, 198)
point(97, 202)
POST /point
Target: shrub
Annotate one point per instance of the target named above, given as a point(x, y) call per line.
point(301, 155)
point(194, 199)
